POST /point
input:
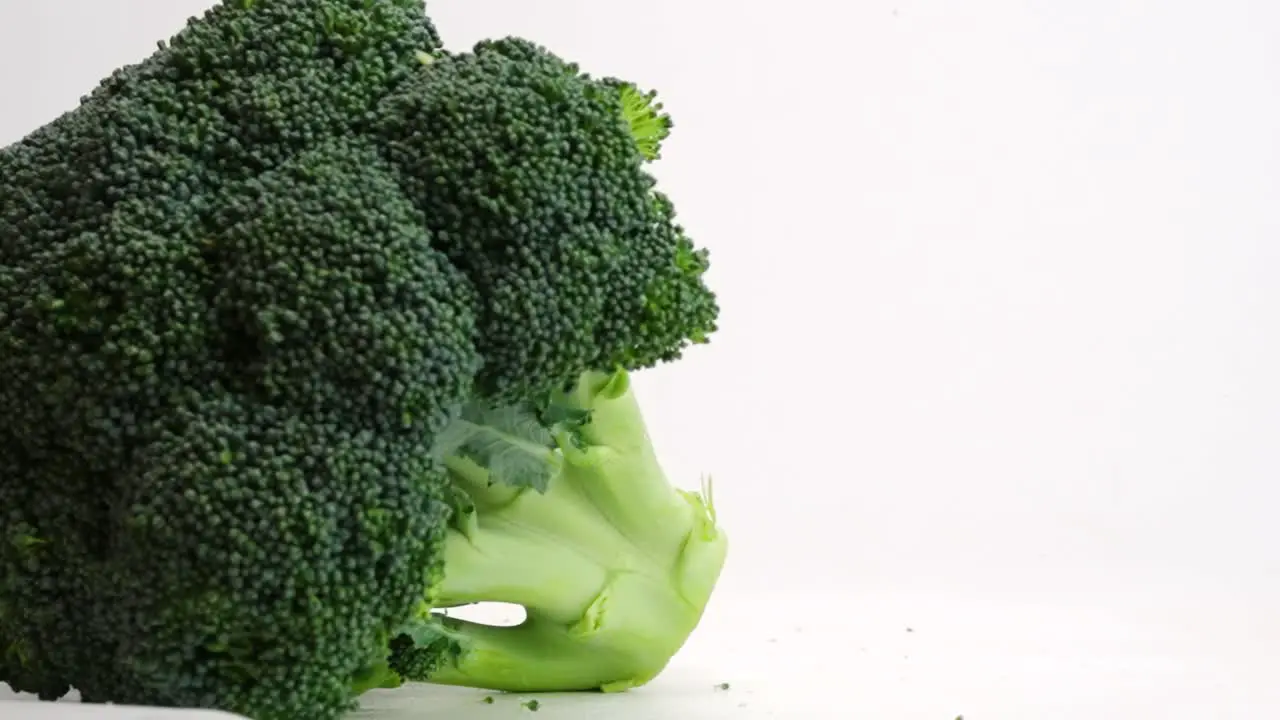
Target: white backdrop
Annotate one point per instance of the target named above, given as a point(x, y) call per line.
point(999, 353)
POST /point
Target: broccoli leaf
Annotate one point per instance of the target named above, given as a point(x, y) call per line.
point(510, 442)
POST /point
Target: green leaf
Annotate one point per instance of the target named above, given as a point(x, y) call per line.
point(509, 442)
point(567, 422)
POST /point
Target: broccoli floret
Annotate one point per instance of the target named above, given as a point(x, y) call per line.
point(228, 345)
point(310, 328)
point(262, 555)
point(530, 174)
point(302, 501)
point(22, 665)
point(105, 212)
point(331, 299)
point(255, 542)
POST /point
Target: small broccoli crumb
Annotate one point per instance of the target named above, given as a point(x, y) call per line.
point(722, 686)
point(488, 700)
point(532, 705)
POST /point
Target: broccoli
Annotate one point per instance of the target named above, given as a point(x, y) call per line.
point(310, 329)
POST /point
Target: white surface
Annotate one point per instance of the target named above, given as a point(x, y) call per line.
point(983, 656)
point(25, 709)
point(986, 656)
point(1000, 345)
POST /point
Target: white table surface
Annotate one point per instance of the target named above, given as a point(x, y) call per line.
point(911, 657)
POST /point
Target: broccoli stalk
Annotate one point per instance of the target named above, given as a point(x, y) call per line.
point(612, 564)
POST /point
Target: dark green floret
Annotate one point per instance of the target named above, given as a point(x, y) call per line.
point(531, 178)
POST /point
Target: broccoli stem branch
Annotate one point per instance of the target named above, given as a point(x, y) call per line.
point(612, 563)
point(618, 471)
point(537, 656)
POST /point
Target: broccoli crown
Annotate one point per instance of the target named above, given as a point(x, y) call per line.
point(532, 182)
point(246, 288)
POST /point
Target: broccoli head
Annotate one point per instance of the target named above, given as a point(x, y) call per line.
point(310, 329)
